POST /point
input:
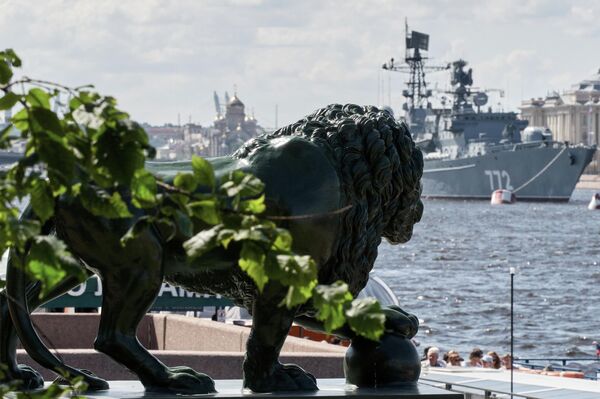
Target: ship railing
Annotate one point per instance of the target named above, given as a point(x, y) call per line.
point(522, 146)
point(563, 360)
point(590, 373)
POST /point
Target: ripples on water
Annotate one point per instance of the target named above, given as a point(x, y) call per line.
point(454, 275)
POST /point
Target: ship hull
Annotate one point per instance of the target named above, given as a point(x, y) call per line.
point(541, 173)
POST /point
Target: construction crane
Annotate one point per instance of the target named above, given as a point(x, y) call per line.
point(217, 103)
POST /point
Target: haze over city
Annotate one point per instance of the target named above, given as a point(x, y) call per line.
point(161, 59)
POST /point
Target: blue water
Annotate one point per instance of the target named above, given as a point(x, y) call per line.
point(454, 275)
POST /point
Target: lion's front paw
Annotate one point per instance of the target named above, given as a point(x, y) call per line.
point(184, 380)
point(283, 377)
point(398, 321)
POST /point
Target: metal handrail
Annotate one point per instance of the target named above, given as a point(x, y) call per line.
point(564, 360)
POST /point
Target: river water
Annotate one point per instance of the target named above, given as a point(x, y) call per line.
point(454, 275)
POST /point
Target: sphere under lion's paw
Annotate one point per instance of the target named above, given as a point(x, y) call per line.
point(392, 361)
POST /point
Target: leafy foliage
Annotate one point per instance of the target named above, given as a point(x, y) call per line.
point(89, 151)
point(71, 390)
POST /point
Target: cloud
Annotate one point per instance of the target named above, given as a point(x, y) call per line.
point(163, 58)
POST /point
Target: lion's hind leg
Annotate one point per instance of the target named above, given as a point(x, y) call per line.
point(28, 377)
point(31, 379)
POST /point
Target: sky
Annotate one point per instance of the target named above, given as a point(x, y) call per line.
point(162, 59)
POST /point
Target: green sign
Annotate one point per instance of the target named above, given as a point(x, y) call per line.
point(89, 295)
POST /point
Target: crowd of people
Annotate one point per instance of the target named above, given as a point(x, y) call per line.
point(477, 358)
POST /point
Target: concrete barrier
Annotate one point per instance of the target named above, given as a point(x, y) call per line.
point(214, 348)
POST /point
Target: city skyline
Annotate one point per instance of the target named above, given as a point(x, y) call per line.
point(161, 59)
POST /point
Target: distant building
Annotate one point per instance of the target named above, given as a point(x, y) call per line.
point(573, 116)
point(229, 131)
point(167, 139)
point(233, 129)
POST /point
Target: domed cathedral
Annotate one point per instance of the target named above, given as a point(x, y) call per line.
point(234, 113)
point(232, 128)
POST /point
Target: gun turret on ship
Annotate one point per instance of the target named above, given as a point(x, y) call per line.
point(471, 151)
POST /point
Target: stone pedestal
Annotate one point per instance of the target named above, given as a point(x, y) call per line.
point(329, 388)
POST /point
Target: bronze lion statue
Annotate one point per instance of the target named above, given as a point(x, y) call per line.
point(358, 159)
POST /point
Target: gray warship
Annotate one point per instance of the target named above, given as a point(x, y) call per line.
point(470, 150)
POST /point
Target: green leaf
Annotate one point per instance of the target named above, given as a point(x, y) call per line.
point(5, 136)
point(16, 233)
point(140, 225)
point(205, 210)
point(167, 228)
point(242, 184)
point(38, 98)
point(47, 120)
point(9, 100)
point(252, 260)
point(202, 242)
point(298, 295)
point(53, 391)
point(88, 97)
point(366, 318)
point(50, 262)
point(251, 234)
point(225, 237)
point(292, 270)
point(330, 302)
point(75, 103)
point(184, 224)
point(256, 206)
point(186, 182)
point(203, 170)
point(5, 72)
point(143, 189)
point(119, 149)
point(12, 57)
point(100, 203)
point(21, 120)
point(283, 241)
point(42, 200)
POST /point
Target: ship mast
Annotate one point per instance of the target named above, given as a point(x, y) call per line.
point(417, 95)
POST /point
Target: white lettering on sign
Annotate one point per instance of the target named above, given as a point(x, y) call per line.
point(168, 288)
point(175, 292)
point(77, 291)
point(183, 293)
point(498, 179)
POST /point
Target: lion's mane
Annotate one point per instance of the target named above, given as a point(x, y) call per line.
point(380, 170)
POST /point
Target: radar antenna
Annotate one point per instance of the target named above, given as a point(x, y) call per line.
point(417, 95)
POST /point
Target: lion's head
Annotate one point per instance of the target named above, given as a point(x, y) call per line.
point(380, 170)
